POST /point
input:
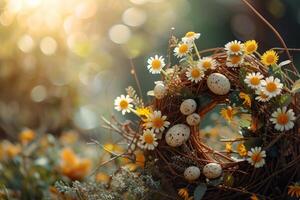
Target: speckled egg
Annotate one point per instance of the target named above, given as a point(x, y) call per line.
point(212, 170)
point(218, 83)
point(159, 90)
point(193, 119)
point(188, 106)
point(177, 135)
point(191, 173)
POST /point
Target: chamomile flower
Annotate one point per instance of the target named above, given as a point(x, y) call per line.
point(253, 80)
point(256, 157)
point(182, 49)
point(195, 73)
point(283, 119)
point(269, 58)
point(156, 64)
point(148, 140)
point(234, 60)
point(261, 96)
point(271, 86)
point(294, 190)
point(190, 36)
point(250, 46)
point(123, 103)
point(157, 121)
point(234, 48)
point(207, 63)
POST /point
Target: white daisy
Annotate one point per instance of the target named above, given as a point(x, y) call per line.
point(123, 103)
point(271, 86)
point(261, 96)
point(156, 64)
point(256, 157)
point(148, 140)
point(190, 36)
point(253, 80)
point(234, 48)
point(234, 60)
point(207, 63)
point(283, 119)
point(195, 73)
point(182, 49)
point(157, 122)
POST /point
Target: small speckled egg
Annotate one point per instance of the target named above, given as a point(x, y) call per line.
point(193, 119)
point(188, 106)
point(159, 90)
point(218, 83)
point(212, 170)
point(191, 173)
point(177, 135)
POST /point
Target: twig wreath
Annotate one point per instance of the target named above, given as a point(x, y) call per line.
point(268, 163)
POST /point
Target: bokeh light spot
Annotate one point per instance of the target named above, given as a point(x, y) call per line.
point(38, 93)
point(85, 118)
point(48, 45)
point(26, 43)
point(134, 17)
point(119, 33)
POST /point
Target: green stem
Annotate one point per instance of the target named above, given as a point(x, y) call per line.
point(196, 49)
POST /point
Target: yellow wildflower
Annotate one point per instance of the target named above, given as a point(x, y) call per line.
point(27, 136)
point(254, 197)
point(269, 58)
point(102, 177)
point(114, 148)
point(246, 98)
point(228, 147)
point(72, 166)
point(9, 150)
point(143, 112)
point(250, 46)
point(184, 193)
point(69, 137)
point(294, 190)
point(241, 149)
point(228, 113)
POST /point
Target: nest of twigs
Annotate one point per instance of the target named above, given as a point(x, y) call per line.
point(240, 180)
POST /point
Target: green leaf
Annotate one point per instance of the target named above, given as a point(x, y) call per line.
point(245, 122)
point(284, 100)
point(200, 191)
point(296, 87)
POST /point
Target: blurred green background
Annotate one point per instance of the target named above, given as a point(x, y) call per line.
point(62, 63)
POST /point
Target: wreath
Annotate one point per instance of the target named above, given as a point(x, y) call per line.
point(266, 164)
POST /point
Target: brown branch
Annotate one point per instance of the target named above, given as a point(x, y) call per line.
point(274, 31)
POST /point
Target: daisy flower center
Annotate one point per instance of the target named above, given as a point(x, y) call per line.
point(270, 59)
point(195, 73)
point(206, 64)
point(123, 104)
point(271, 87)
point(235, 59)
point(189, 34)
point(256, 157)
point(183, 48)
point(255, 81)
point(158, 122)
point(156, 64)
point(282, 119)
point(235, 47)
point(148, 138)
